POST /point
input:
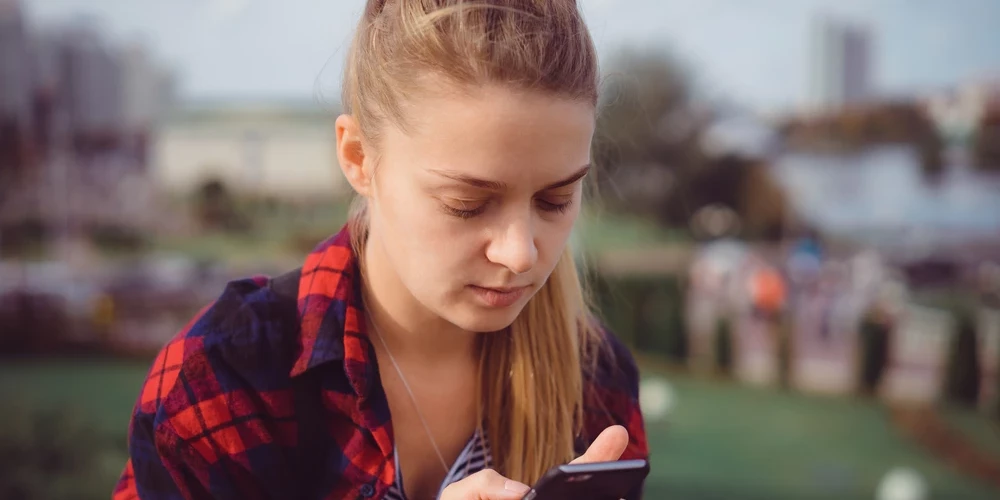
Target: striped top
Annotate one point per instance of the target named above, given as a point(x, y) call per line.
point(474, 458)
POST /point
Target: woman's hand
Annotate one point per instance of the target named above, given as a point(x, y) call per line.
point(488, 484)
point(608, 446)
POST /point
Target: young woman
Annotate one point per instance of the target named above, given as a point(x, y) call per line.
point(439, 345)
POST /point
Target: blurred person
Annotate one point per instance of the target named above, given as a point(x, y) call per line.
point(767, 291)
point(439, 344)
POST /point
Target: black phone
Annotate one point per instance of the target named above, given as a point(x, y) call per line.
point(593, 481)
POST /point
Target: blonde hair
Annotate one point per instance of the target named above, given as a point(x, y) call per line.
point(532, 377)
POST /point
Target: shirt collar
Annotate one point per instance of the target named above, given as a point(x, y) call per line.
point(331, 314)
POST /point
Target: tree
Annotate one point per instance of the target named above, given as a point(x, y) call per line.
point(763, 204)
point(647, 132)
point(857, 128)
point(986, 145)
point(650, 143)
point(217, 208)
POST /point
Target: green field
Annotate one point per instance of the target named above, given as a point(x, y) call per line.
point(78, 451)
point(971, 424)
point(729, 441)
point(721, 441)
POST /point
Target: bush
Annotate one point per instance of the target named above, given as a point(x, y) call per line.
point(646, 312)
point(218, 209)
point(724, 346)
point(962, 377)
point(113, 238)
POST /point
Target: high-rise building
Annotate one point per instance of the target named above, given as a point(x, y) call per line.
point(148, 91)
point(15, 80)
point(77, 113)
point(840, 64)
point(92, 81)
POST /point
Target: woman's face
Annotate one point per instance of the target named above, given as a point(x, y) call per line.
point(471, 207)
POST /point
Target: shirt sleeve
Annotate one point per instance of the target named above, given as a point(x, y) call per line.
point(200, 429)
point(613, 399)
point(160, 466)
point(631, 413)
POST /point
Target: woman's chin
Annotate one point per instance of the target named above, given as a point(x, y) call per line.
point(477, 319)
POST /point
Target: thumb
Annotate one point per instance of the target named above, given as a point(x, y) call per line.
point(608, 446)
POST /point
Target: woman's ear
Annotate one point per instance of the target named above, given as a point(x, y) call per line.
point(351, 154)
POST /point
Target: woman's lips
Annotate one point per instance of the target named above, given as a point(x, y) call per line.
point(499, 297)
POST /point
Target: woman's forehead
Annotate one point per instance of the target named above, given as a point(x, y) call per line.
point(496, 132)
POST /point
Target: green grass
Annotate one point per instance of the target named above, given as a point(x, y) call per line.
point(722, 440)
point(728, 441)
point(104, 390)
point(91, 401)
point(984, 432)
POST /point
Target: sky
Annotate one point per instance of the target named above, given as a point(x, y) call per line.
point(753, 52)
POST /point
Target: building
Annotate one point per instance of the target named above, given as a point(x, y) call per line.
point(278, 150)
point(879, 198)
point(15, 79)
point(93, 82)
point(148, 90)
point(76, 116)
point(840, 64)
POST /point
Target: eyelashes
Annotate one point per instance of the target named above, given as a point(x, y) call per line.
point(548, 206)
point(464, 214)
point(545, 206)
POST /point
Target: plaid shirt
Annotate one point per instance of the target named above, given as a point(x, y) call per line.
point(217, 418)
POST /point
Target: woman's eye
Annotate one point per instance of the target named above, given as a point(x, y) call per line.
point(468, 209)
point(554, 206)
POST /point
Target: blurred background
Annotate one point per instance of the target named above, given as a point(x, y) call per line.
point(797, 226)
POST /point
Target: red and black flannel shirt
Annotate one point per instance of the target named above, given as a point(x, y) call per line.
point(217, 417)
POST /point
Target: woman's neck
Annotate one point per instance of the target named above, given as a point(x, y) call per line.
point(411, 331)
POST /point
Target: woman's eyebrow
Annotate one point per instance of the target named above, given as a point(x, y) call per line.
point(569, 180)
point(500, 186)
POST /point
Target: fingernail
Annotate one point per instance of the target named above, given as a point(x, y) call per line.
point(515, 486)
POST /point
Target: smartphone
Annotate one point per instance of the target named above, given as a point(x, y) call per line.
point(593, 481)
